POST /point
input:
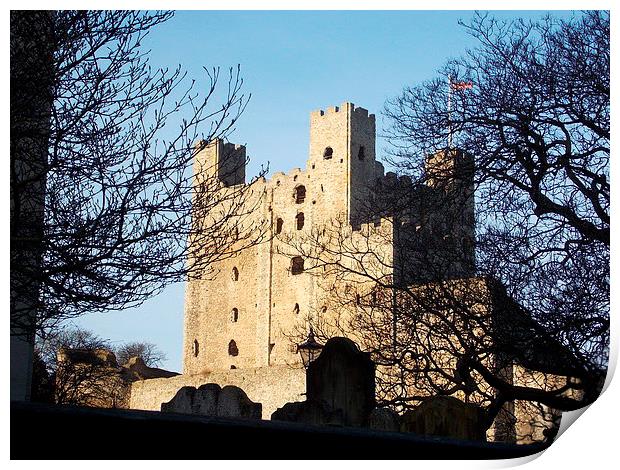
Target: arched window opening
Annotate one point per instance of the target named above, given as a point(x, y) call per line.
point(361, 153)
point(323, 309)
point(235, 274)
point(300, 220)
point(300, 194)
point(297, 265)
point(233, 367)
point(296, 309)
point(232, 348)
point(279, 225)
point(328, 153)
point(195, 348)
point(234, 315)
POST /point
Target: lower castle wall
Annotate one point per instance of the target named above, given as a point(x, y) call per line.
point(272, 386)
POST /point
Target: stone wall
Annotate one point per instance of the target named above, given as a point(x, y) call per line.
point(271, 386)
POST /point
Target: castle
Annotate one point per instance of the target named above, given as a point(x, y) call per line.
point(239, 318)
point(243, 324)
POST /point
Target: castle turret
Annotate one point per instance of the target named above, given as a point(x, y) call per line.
point(450, 173)
point(342, 154)
point(226, 160)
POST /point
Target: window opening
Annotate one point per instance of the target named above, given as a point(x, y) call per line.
point(300, 194)
point(300, 220)
point(297, 265)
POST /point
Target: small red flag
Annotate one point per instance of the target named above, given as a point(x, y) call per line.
point(462, 85)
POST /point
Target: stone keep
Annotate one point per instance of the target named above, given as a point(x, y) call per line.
point(242, 324)
point(242, 318)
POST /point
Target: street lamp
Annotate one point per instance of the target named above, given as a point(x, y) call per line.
point(309, 350)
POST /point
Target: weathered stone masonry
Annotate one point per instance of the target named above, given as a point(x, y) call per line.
point(237, 324)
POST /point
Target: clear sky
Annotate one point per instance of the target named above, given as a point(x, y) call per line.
point(291, 63)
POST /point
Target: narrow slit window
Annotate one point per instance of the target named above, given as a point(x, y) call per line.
point(235, 274)
point(232, 348)
point(279, 225)
point(361, 154)
point(195, 348)
point(234, 315)
point(300, 220)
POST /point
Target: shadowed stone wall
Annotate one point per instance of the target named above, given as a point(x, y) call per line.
point(212, 400)
point(273, 387)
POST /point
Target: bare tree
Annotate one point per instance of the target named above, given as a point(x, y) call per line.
point(68, 338)
point(537, 122)
point(101, 182)
point(148, 352)
point(513, 310)
point(79, 368)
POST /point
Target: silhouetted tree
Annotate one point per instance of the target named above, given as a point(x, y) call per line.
point(536, 120)
point(101, 182)
point(43, 385)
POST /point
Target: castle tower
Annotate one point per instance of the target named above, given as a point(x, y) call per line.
point(342, 155)
point(226, 160)
point(451, 172)
point(239, 318)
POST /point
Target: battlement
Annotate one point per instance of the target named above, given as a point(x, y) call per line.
point(230, 147)
point(361, 112)
point(392, 180)
point(225, 146)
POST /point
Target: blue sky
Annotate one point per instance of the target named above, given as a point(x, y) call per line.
point(291, 63)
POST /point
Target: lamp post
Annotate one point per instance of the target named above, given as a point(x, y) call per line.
point(309, 350)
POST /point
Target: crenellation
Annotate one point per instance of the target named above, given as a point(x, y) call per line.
point(362, 112)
